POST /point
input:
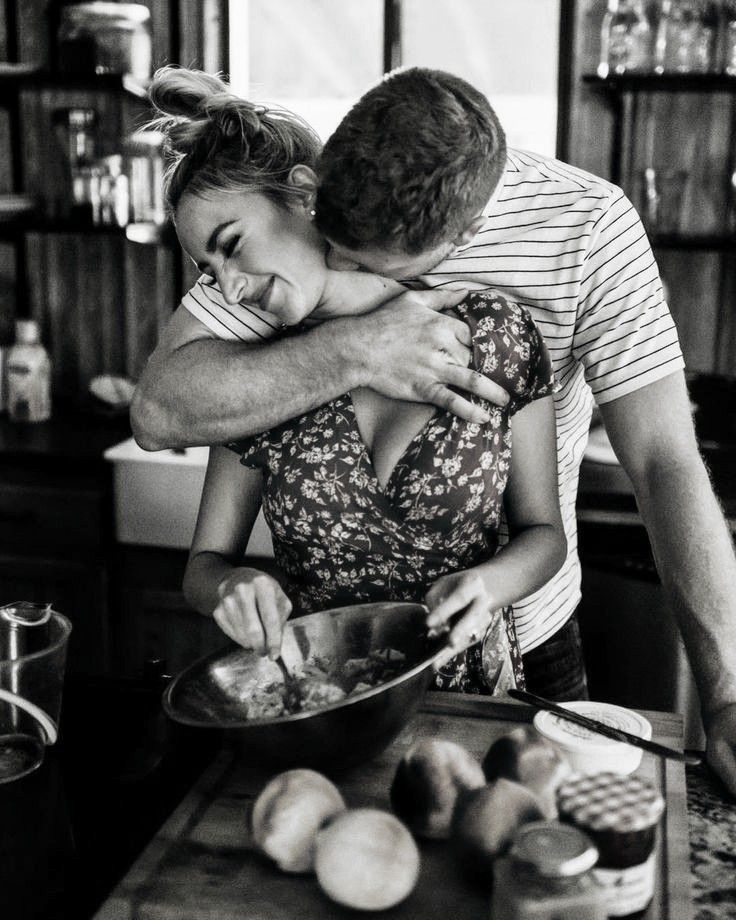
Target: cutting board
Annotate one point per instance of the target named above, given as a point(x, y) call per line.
point(200, 865)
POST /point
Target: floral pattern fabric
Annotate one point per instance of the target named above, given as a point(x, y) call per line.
point(341, 538)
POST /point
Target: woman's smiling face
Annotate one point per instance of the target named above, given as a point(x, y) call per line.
point(260, 253)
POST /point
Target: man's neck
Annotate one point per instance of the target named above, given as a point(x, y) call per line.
point(348, 293)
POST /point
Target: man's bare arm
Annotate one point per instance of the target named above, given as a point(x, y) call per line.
point(652, 433)
point(197, 389)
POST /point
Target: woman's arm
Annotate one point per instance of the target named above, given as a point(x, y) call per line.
point(537, 546)
point(247, 604)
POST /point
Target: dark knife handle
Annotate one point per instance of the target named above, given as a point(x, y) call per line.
point(617, 734)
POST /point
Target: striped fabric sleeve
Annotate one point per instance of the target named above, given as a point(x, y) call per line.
point(624, 337)
point(235, 322)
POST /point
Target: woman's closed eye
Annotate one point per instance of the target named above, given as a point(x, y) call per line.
point(229, 246)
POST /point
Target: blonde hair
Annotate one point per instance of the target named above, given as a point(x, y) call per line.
point(215, 140)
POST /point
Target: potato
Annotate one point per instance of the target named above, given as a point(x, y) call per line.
point(427, 783)
point(287, 814)
point(485, 821)
point(523, 756)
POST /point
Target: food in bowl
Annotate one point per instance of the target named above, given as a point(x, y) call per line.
point(320, 685)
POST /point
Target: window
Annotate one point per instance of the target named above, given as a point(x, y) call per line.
point(317, 57)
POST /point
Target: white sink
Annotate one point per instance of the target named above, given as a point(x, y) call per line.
point(157, 497)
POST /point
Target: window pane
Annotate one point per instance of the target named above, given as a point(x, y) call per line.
point(313, 56)
point(507, 50)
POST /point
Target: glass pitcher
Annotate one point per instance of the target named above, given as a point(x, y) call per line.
point(33, 644)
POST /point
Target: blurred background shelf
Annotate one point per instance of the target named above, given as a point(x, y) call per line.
point(12, 80)
point(666, 82)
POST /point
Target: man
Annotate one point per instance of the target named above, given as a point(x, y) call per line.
point(417, 183)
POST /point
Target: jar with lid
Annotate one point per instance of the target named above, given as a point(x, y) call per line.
point(105, 37)
point(620, 814)
point(626, 38)
point(144, 152)
point(546, 875)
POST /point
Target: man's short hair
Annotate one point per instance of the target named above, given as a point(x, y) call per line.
point(411, 164)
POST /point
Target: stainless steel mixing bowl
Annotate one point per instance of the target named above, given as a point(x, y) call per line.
point(212, 693)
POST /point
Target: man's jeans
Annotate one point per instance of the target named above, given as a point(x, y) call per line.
point(555, 669)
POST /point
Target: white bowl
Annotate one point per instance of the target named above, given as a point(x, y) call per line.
point(587, 751)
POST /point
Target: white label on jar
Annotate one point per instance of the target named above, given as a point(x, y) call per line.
point(627, 890)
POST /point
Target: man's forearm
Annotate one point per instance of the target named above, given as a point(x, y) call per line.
point(210, 391)
point(695, 558)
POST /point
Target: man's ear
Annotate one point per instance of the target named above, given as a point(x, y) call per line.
point(304, 180)
point(466, 236)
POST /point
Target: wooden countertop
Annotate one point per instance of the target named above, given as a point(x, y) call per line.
point(200, 864)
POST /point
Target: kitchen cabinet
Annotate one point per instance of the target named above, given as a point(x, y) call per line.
point(56, 526)
point(52, 550)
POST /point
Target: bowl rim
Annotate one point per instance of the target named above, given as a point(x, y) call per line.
point(172, 686)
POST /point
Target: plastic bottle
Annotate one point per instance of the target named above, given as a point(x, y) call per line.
point(28, 375)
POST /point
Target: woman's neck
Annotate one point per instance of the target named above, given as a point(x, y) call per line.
point(347, 293)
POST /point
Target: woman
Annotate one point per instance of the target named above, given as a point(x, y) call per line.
point(367, 498)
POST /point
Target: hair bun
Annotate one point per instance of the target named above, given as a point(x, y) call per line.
point(234, 117)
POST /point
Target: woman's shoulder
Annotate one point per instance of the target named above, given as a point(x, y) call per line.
point(496, 308)
point(507, 345)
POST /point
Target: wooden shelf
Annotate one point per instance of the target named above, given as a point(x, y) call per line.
point(143, 234)
point(665, 82)
point(693, 242)
point(13, 80)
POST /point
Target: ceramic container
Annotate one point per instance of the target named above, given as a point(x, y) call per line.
point(588, 752)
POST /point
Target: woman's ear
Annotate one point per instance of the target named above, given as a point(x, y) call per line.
point(304, 180)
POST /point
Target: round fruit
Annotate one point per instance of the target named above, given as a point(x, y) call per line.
point(366, 859)
point(428, 780)
point(287, 814)
point(523, 756)
point(485, 822)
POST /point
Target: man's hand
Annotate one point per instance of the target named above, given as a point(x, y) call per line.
point(721, 745)
point(410, 350)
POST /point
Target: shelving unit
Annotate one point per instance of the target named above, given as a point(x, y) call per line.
point(622, 93)
point(100, 292)
point(642, 110)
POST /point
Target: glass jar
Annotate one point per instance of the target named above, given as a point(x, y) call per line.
point(620, 814)
point(728, 37)
point(546, 875)
point(104, 37)
point(687, 35)
point(626, 39)
point(144, 152)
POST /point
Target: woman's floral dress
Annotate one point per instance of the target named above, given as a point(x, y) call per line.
point(341, 538)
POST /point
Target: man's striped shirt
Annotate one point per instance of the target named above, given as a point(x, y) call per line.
point(570, 247)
